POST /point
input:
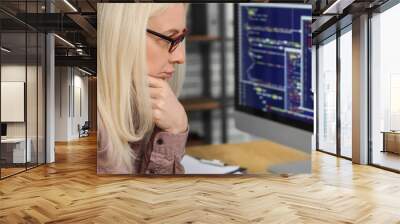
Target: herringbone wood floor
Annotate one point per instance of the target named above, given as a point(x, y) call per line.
point(69, 191)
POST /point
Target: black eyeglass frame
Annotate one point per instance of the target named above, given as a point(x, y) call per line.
point(173, 42)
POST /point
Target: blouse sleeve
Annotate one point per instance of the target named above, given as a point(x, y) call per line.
point(167, 151)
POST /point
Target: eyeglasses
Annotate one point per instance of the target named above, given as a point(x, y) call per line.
point(174, 43)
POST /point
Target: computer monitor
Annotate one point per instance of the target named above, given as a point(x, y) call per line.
point(3, 130)
point(273, 82)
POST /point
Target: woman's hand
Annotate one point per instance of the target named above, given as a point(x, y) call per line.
point(168, 112)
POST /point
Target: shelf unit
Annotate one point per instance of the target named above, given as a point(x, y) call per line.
point(206, 103)
point(200, 104)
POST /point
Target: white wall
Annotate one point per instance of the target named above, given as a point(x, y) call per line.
point(80, 100)
point(61, 103)
point(71, 87)
point(17, 73)
point(33, 126)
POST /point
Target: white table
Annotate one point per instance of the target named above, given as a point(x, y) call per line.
point(18, 145)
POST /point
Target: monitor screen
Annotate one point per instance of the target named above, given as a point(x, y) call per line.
point(273, 48)
point(3, 129)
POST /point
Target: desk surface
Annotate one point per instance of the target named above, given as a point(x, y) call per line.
point(13, 140)
point(391, 132)
point(256, 156)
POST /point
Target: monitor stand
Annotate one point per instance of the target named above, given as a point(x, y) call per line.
point(295, 167)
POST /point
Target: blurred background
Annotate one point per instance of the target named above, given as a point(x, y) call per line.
point(48, 52)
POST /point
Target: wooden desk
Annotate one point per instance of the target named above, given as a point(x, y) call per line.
point(255, 156)
point(391, 141)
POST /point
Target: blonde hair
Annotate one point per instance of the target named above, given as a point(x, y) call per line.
point(124, 107)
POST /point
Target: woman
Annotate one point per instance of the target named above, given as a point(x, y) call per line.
point(142, 127)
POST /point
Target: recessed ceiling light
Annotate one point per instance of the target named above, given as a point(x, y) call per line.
point(5, 50)
point(64, 40)
point(84, 71)
point(70, 5)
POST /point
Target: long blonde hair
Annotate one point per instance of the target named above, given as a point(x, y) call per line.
point(124, 107)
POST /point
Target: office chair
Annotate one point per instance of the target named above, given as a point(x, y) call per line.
point(84, 130)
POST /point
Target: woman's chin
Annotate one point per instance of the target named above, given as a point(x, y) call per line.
point(159, 77)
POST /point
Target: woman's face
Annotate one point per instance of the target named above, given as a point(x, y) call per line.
point(171, 22)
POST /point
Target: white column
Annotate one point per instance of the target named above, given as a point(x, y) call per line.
point(360, 90)
point(50, 91)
